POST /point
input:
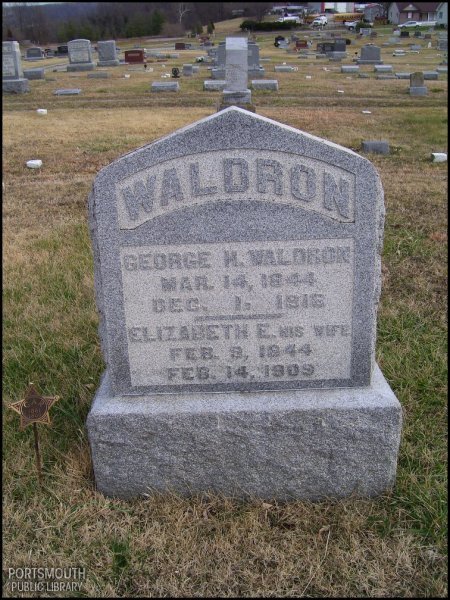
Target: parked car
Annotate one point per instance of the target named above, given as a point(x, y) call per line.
point(417, 24)
point(351, 25)
point(319, 21)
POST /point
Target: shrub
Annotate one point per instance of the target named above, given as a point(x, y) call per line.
point(363, 25)
point(266, 26)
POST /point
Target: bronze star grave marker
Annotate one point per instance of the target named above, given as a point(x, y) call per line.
point(34, 409)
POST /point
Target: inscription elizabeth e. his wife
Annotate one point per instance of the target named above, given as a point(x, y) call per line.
point(247, 265)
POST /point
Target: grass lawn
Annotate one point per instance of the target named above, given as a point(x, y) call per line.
point(205, 546)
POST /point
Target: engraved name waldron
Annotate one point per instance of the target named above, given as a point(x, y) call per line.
point(244, 312)
point(275, 177)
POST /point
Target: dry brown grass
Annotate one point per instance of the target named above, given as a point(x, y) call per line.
point(211, 546)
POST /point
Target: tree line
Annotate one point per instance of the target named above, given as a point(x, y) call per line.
point(63, 21)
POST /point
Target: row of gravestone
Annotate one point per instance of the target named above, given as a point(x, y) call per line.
point(80, 59)
point(219, 59)
point(80, 54)
point(236, 70)
point(335, 48)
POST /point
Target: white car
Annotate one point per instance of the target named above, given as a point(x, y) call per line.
point(417, 24)
point(290, 19)
point(351, 25)
point(319, 21)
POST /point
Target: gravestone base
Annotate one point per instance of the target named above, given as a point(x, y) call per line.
point(108, 63)
point(15, 86)
point(337, 54)
point(297, 444)
point(379, 68)
point(216, 85)
point(418, 91)
point(81, 67)
point(34, 73)
point(375, 146)
point(362, 61)
point(265, 84)
point(165, 86)
point(236, 98)
point(98, 75)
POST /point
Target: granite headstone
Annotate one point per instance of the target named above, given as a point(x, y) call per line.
point(13, 81)
point(80, 56)
point(134, 56)
point(107, 54)
point(370, 55)
point(254, 67)
point(237, 272)
point(236, 91)
point(34, 53)
point(416, 86)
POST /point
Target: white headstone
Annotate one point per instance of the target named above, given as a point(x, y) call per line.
point(236, 91)
point(13, 80)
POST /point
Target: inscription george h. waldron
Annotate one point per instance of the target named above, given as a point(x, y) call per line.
point(239, 312)
point(277, 177)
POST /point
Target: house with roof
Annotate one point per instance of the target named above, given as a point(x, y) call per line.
point(373, 11)
point(442, 14)
point(400, 12)
point(310, 7)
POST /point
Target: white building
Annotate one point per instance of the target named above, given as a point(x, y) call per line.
point(442, 14)
point(341, 7)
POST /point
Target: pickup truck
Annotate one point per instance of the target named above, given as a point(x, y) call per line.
point(319, 21)
point(290, 19)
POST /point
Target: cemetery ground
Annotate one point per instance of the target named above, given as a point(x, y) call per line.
point(165, 545)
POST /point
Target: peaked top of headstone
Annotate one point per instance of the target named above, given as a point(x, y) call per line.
point(236, 115)
point(237, 128)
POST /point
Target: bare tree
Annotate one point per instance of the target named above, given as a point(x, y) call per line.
point(20, 10)
point(182, 10)
point(259, 9)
